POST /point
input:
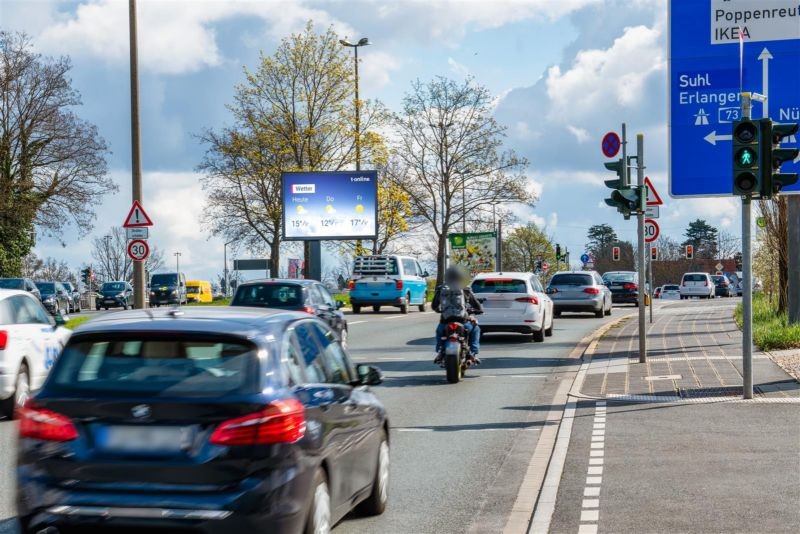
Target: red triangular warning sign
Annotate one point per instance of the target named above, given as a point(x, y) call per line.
point(137, 217)
point(653, 198)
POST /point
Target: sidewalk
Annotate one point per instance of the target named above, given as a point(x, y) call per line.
point(669, 446)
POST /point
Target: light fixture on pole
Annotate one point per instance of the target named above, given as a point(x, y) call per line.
point(177, 262)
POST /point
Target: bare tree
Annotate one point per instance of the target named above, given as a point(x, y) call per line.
point(112, 262)
point(47, 269)
point(451, 147)
point(775, 237)
point(52, 163)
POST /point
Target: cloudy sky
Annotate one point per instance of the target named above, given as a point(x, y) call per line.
point(564, 72)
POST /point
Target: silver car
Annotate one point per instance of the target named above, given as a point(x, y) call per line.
point(579, 291)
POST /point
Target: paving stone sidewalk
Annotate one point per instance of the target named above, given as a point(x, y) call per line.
point(694, 351)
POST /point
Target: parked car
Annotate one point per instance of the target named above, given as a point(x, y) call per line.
point(722, 286)
point(54, 297)
point(22, 284)
point(514, 302)
point(670, 292)
point(222, 419)
point(75, 297)
point(30, 341)
point(657, 293)
point(198, 291)
point(308, 296)
point(167, 288)
point(388, 281)
point(579, 291)
point(624, 286)
point(697, 285)
point(118, 294)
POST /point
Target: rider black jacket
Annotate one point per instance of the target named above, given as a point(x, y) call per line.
point(473, 305)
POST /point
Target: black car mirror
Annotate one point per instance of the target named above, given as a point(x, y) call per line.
point(60, 320)
point(370, 375)
point(426, 274)
point(339, 304)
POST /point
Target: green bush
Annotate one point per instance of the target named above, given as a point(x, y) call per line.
point(771, 330)
point(220, 301)
point(342, 297)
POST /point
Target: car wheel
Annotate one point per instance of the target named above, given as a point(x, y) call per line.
point(608, 311)
point(356, 308)
point(557, 313)
point(319, 516)
point(22, 390)
point(549, 331)
point(538, 335)
point(600, 313)
point(424, 302)
point(376, 309)
point(404, 307)
point(375, 504)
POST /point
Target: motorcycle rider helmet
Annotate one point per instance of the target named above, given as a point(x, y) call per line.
point(454, 275)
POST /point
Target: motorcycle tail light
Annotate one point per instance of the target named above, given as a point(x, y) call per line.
point(452, 327)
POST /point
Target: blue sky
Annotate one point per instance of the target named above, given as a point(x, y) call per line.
point(564, 72)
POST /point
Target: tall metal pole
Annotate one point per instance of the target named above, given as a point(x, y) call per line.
point(747, 288)
point(225, 268)
point(136, 157)
point(178, 262)
point(793, 205)
point(650, 282)
point(358, 117)
point(642, 256)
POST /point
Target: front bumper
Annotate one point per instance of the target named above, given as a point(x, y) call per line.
point(51, 306)
point(110, 302)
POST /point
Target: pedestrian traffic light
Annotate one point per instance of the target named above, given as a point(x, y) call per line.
point(653, 253)
point(746, 139)
point(689, 252)
point(615, 253)
point(772, 179)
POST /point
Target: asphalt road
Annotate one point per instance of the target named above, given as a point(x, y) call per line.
point(459, 451)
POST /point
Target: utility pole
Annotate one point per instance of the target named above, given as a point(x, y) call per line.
point(793, 216)
point(747, 283)
point(136, 157)
point(642, 255)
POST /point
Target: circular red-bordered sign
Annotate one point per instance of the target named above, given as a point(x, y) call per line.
point(651, 230)
point(611, 144)
point(138, 250)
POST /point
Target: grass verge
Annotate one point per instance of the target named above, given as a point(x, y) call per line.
point(74, 321)
point(225, 301)
point(771, 330)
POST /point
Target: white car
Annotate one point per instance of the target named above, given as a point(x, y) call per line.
point(30, 342)
point(697, 285)
point(670, 292)
point(513, 302)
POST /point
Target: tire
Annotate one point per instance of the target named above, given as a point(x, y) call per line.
point(375, 504)
point(557, 313)
point(404, 305)
point(105, 308)
point(424, 302)
point(453, 368)
point(356, 308)
point(608, 311)
point(22, 390)
point(376, 309)
point(319, 513)
point(549, 331)
point(538, 335)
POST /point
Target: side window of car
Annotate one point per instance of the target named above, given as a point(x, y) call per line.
point(326, 296)
point(290, 360)
point(419, 268)
point(409, 267)
point(311, 352)
point(26, 311)
point(336, 361)
point(6, 313)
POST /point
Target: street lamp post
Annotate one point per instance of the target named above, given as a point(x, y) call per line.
point(225, 261)
point(177, 262)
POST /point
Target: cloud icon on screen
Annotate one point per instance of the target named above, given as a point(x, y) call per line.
point(301, 209)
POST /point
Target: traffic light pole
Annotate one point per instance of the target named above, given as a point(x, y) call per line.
point(747, 289)
point(650, 291)
point(642, 255)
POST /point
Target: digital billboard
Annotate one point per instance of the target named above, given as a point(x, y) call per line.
point(330, 205)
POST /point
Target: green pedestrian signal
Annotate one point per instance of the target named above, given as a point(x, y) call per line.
point(746, 157)
point(746, 172)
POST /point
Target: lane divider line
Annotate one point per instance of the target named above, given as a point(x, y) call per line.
point(590, 508)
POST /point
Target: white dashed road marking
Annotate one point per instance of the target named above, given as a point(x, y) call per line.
point(590, 507)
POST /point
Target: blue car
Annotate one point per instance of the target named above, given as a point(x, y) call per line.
point(388, 281)
point(208, 419)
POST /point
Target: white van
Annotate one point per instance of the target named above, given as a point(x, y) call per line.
point(697, 285)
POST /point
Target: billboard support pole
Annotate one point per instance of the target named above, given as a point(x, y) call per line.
point(315, 259)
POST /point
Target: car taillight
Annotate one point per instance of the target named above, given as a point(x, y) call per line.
point(705, 283)
point(46, 425)
point(630, 286)
point(3, 339)
point(282, 421)
point(351, 284)
point(398, 284)
point(591, 290)
point(529, 300)
point(307, 309)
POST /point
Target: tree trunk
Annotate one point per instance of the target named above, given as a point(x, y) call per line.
point(275, 258)
point(441, 257)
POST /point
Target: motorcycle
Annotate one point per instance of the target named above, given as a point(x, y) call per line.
point(455, 351)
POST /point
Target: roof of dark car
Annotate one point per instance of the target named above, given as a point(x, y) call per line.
point(239, 321)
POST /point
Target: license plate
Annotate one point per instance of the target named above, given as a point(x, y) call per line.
point(109, 300)
point(497, 303)
point(146, 439)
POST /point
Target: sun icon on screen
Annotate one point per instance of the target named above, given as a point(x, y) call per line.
point(360, 208)
point(330, 209)
point(301, 209)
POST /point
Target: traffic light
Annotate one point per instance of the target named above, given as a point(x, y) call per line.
point(558, 252)
point(653, 253)
point(746, 140)
point(86, 276)
point(689, 252)
point(624, 197)
point(615, 253)
point(773, 156)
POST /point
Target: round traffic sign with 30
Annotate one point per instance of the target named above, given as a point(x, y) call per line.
point(651, 230)
point(138, 250)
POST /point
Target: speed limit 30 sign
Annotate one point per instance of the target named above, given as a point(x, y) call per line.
point(138, 250)
point(651, 230)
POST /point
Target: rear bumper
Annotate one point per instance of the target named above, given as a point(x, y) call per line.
point(630, 298)
point(696, 292)
point(519, 328)
point(7, 383)
point(587, 305)
point(367, 298)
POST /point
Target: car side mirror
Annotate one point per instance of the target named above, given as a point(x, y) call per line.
point(370, 375)
point(426, 274)
point(549, 291)
point(339, 304)
point(60, 320)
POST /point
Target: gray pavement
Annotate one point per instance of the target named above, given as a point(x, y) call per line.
point(704, 462)
point(459, 451)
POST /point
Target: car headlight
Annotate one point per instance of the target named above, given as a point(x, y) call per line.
point(174, 292)
point(120, 295)
point(50, 298)
point(152, 293)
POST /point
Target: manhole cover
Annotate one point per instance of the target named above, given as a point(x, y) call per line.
point(726, 391)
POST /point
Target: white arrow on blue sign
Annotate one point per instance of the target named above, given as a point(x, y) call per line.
point(704, 84)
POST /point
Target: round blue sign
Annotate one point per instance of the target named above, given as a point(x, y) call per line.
point(611, 144)
point(585, 258)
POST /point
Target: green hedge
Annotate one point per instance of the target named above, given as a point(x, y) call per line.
point(771, 330)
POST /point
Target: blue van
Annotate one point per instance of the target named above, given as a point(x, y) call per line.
point(388, 281)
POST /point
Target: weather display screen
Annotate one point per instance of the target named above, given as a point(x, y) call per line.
point(330, 205)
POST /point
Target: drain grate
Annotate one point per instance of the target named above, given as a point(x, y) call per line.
point(725, 391)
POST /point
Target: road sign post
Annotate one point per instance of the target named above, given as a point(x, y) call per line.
point(642, 256)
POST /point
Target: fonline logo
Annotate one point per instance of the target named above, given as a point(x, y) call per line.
point(304, 188)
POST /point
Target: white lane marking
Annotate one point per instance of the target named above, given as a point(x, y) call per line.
point(596, 453)
point(394, 317)
point(598, 432)
point(594, 480)
point(598, 438)
point(591, 491)
point(351, 323)
point(598, 445)
point(590, 503)
point(595, 461)
point(590, 514)
point(587, 529)
point(595, 470)
point(412, 429)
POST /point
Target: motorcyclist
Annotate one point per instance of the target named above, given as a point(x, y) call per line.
point(457, 310)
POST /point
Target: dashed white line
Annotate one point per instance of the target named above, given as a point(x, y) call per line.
point(351, 323)
point(590, 508)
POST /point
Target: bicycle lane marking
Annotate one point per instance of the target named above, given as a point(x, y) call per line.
point(590, 505)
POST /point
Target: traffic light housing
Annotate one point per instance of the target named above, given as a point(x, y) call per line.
point(689, 252)
point(653, 253)
point(773, 156)
point(558, 252)
point(615, 253)
point(746, 155)
point(86, 276)
point(625, 198)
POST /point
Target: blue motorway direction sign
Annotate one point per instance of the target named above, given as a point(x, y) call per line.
point(704, 84)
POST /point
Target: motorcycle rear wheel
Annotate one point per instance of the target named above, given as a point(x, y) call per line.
point(452, 365)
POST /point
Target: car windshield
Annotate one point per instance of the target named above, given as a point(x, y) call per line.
point(499, 285)
point(12, 283)
point(269, 295)
point(192, 289)
point(113, 286)
point(671, 288)
point(164, 280)
point(694, 278)
point(167, 367)
point(68, 286)
point(571, 279)
point(619, 277)
point(46, 288)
